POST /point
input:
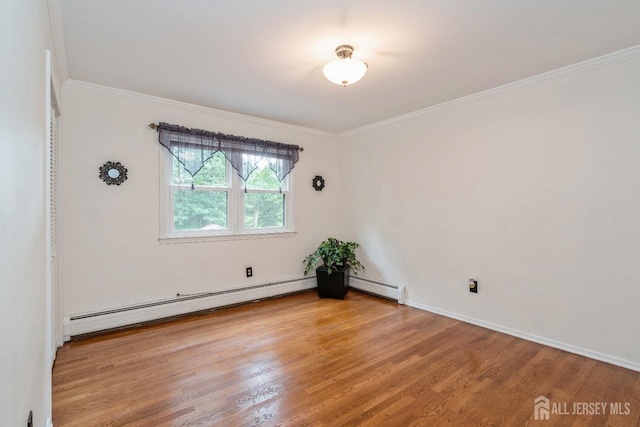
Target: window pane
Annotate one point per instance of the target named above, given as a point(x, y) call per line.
point(263, 210)
point(212, 174)
point(263, 178)
point(199, 210)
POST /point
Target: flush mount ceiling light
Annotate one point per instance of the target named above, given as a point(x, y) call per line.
point(346, 70)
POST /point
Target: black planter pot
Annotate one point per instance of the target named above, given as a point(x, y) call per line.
point(334, 285)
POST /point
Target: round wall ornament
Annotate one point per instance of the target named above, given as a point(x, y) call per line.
point(318, 183)
point(113, 173)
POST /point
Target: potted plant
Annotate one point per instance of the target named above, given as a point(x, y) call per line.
point(338, 258)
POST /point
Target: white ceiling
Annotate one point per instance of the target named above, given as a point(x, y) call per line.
point(265, 58)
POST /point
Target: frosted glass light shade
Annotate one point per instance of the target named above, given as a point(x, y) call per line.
point(344, 71)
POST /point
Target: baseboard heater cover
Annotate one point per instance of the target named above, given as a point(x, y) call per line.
point(130, 315)
point(85, 323)
point(378, 287)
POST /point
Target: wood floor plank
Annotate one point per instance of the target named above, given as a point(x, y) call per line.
point(305, 361)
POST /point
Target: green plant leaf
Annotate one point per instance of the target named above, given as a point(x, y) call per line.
point(334, 254)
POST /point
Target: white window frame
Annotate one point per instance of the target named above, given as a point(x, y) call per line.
point(235, 208)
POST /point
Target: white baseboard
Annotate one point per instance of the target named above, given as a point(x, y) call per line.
point(49, 423)
point(84, 323)
point(107, 319)
point(634, 366)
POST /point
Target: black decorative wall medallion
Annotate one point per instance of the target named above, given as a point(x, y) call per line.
point(318, 183)
point(113, 173)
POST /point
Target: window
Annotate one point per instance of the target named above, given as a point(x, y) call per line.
point(216, 200)
point(206, 206)
point(264, 203)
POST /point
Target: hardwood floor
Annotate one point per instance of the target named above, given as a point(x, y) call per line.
point(300, 360)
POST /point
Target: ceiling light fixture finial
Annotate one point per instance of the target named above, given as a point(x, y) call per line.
point(345, 70)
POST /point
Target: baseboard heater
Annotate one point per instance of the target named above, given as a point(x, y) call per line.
point(376, 287)
point(87, 323)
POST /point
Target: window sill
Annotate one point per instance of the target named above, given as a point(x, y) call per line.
point(225, 237)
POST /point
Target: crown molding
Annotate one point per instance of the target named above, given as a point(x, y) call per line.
point(150, 99)
point(625, 55)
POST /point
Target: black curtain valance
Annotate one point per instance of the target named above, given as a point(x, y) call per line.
point(193, 147)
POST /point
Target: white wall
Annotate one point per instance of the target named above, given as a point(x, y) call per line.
point(530, 190)
point(112, 256)
point(534, 191)
point(25, 370)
